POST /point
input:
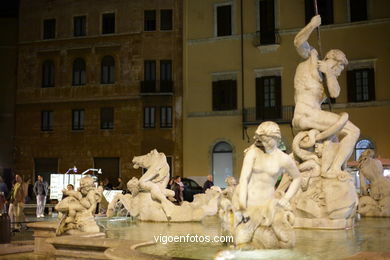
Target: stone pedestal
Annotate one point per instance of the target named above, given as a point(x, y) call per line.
point(43, 231)
point(89, 246)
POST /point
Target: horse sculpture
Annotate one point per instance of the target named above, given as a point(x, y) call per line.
point(151, 201)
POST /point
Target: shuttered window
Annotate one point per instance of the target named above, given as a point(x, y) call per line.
point(358, 10)
point(267, 22)
point(224, 20)
point(361, 85)
point(325, 9)
point(224, 95)
point(108, 23)
point(268, 97)
point(107, 118)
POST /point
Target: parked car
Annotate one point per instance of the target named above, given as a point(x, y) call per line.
point(190, 189)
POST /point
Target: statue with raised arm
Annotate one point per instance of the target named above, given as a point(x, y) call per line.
point(309, 95)
point(324, 140)
point(261, 219)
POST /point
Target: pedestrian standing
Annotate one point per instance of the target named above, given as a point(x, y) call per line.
point(41, 191)
point(16, 207)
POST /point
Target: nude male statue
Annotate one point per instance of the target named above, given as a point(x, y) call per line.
point(309, 94)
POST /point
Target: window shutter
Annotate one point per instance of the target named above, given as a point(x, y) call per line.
point(224, 22)
point(233, 94)
point(278, 96)
point(267, 22)
point(371, 83)
point(259, 98)
point(309, 10)
point(328, 12)
point(215, 95)
point(358, 10)
point(351, 86)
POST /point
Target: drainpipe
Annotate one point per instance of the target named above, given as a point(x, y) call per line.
point(242, 69)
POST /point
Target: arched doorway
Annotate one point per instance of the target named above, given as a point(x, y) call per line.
point(222, 163)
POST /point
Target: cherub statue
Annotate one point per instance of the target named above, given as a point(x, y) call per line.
point(79, 206)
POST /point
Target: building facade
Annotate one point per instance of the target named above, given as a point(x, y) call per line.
point(8, 68)
point(98, 83)
point(239, 66)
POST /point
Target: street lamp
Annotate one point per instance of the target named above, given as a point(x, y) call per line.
point(99, 171)
point(74, 169)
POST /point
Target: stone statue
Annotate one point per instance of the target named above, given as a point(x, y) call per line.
point(156, 178)
point(262, 220)
point(374, 201)
point(324, 140)
point(151, 201)
point(225, 211)
point(78, 207)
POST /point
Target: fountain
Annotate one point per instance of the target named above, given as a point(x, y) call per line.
point(319, 194)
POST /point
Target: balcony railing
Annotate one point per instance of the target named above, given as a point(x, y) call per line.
point(156, 87)
point(267, 37)
point(252, 118)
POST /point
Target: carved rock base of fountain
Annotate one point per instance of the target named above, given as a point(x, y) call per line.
point(327, 204)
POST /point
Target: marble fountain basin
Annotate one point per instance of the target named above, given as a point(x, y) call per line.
point(369, 235)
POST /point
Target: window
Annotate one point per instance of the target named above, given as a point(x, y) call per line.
point(150, 20)
point(107, 118)
point(358, 10)
point(78, 72)
point(268, 97)
point(149, 117)
point(48, 74)
point(267, 22)
point(78, 119)
point(150, 70)
point(47, 121)
point(79, 26)
point(108, 70)
point(222, 163)
point(166, 117)
point(325, 9)
point(166, 20)
point(149, 83)
point(108, 23)
point(361, 146)
point(166, 76)
point(361, 85)
point(224, 20)
point(166, 70)
point(49, 29)
point(224, 95)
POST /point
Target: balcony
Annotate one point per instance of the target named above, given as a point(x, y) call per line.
point(154, 87)
point(253, 116)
